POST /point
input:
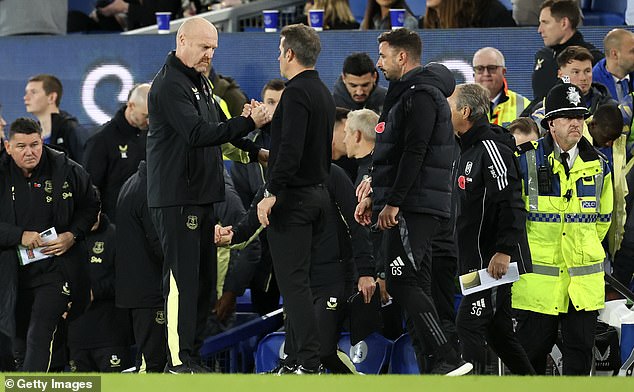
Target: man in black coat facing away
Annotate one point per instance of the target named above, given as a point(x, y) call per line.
point(185, 178)
point(295, 200)
point(412, 160)
point(491, 227)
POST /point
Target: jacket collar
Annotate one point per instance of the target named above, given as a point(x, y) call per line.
point(122, 123)
point(586, 151)
point(175, 62)
point(306, 74)
point(576, 39)
point(481, 130)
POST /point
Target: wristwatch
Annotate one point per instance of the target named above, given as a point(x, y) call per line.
point(268, 194)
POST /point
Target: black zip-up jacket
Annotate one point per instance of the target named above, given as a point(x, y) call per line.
point(491, 216)
point(112, 156)
point(102, 325)
point(343, 99)
point(139, 257)
point(545, 67)
point(413, 154)
point(184, 161)
point(76, 213)
point(67, 135)
point(343, 239)
point(301, 134)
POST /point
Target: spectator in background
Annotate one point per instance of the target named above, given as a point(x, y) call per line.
point(558, 22)
point(526, 12)
point(108, 15)
point(42, 97)
point(337, 14)
point(466, 13)
point(357, 87)
point(523, 130)
point(339, 156)
point(138, 273)
point(141, 12)
point(33, 17)
point(616, 70)
point(377, 15)
point(228, 90)
point(575, 65)
point(489, 70)
point(113, 154)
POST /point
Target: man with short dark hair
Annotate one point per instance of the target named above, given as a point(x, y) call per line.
point(357, 86)
point(42, 98)
point(113, 154)
point(295, 199)
point(411, 181)
point(558, 21)
point(40, 189)
point(491, 228)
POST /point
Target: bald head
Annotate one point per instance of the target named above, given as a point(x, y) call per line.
point(489, 52)
point(139, 93)
point(196, 41)
point(136, 112)
point(618, 45)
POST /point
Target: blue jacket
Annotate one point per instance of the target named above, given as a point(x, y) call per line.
point(600, 74)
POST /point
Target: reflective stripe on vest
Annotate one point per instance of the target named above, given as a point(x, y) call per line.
point(598, 183)
point(572, 271)
point(577, 217)
point(533, 190)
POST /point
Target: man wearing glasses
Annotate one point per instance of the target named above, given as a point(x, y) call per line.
point(489, 70)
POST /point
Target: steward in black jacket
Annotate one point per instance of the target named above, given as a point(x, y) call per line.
point(58, 194)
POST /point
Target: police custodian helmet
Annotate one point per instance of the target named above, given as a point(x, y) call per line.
point(564, 100)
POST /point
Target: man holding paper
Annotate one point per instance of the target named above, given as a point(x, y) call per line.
point(491, 231)
point(48, 205)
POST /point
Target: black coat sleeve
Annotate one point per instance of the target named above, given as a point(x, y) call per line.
point(504, 186)
point(87, 203)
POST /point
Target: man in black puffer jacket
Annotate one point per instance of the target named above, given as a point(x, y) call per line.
point(412, 162)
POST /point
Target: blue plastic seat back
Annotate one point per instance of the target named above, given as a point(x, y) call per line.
point(270, 351)
point(369, 355)
point(403, 358)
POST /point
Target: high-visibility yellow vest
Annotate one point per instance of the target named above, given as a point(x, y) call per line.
point(568, 217)
point(509, 108)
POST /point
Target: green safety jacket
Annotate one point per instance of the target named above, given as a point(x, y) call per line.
point(568, 217)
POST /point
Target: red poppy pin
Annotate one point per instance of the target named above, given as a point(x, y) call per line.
point(380, 127)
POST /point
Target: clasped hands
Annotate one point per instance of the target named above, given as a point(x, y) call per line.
point(258, 113)
point(56, 247)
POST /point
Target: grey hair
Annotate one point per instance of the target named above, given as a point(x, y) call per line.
point(475, 97)
point(364, 121)
point(496, 52)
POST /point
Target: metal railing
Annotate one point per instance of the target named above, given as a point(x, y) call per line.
point(245, 17)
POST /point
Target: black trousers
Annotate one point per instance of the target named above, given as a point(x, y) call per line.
point(149, 333)
point(38, 312)
point(537, 332)
point(189, 276)
point(102, 360)
point(408, 275)
point(485, 318)
point(295, 221)
point(624, 266)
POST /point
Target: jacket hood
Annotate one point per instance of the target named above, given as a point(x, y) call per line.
point(438, 76)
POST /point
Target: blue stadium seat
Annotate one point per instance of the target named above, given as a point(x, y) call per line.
point(370, 355)
point(605, 13)
point(243, 302)
point(270, 351)
point(585, 4)
point(85, 6)
point(403, 358)
point(358, 9)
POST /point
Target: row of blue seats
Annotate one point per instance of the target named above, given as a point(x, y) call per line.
point(370, 356)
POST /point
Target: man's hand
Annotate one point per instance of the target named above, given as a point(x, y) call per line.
point(385, 296)
point(259, 114)
point(364, 188)
point(60, 245)
point(31, 239)
point(363, 212)
point(264, 209)
point(499, 265)
point(223, 235)
point(225, 306)
point(263, 157)
point(366, 286)
point(116, 7)
point(387, 217)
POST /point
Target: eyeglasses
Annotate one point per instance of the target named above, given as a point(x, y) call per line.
point(491, 68)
